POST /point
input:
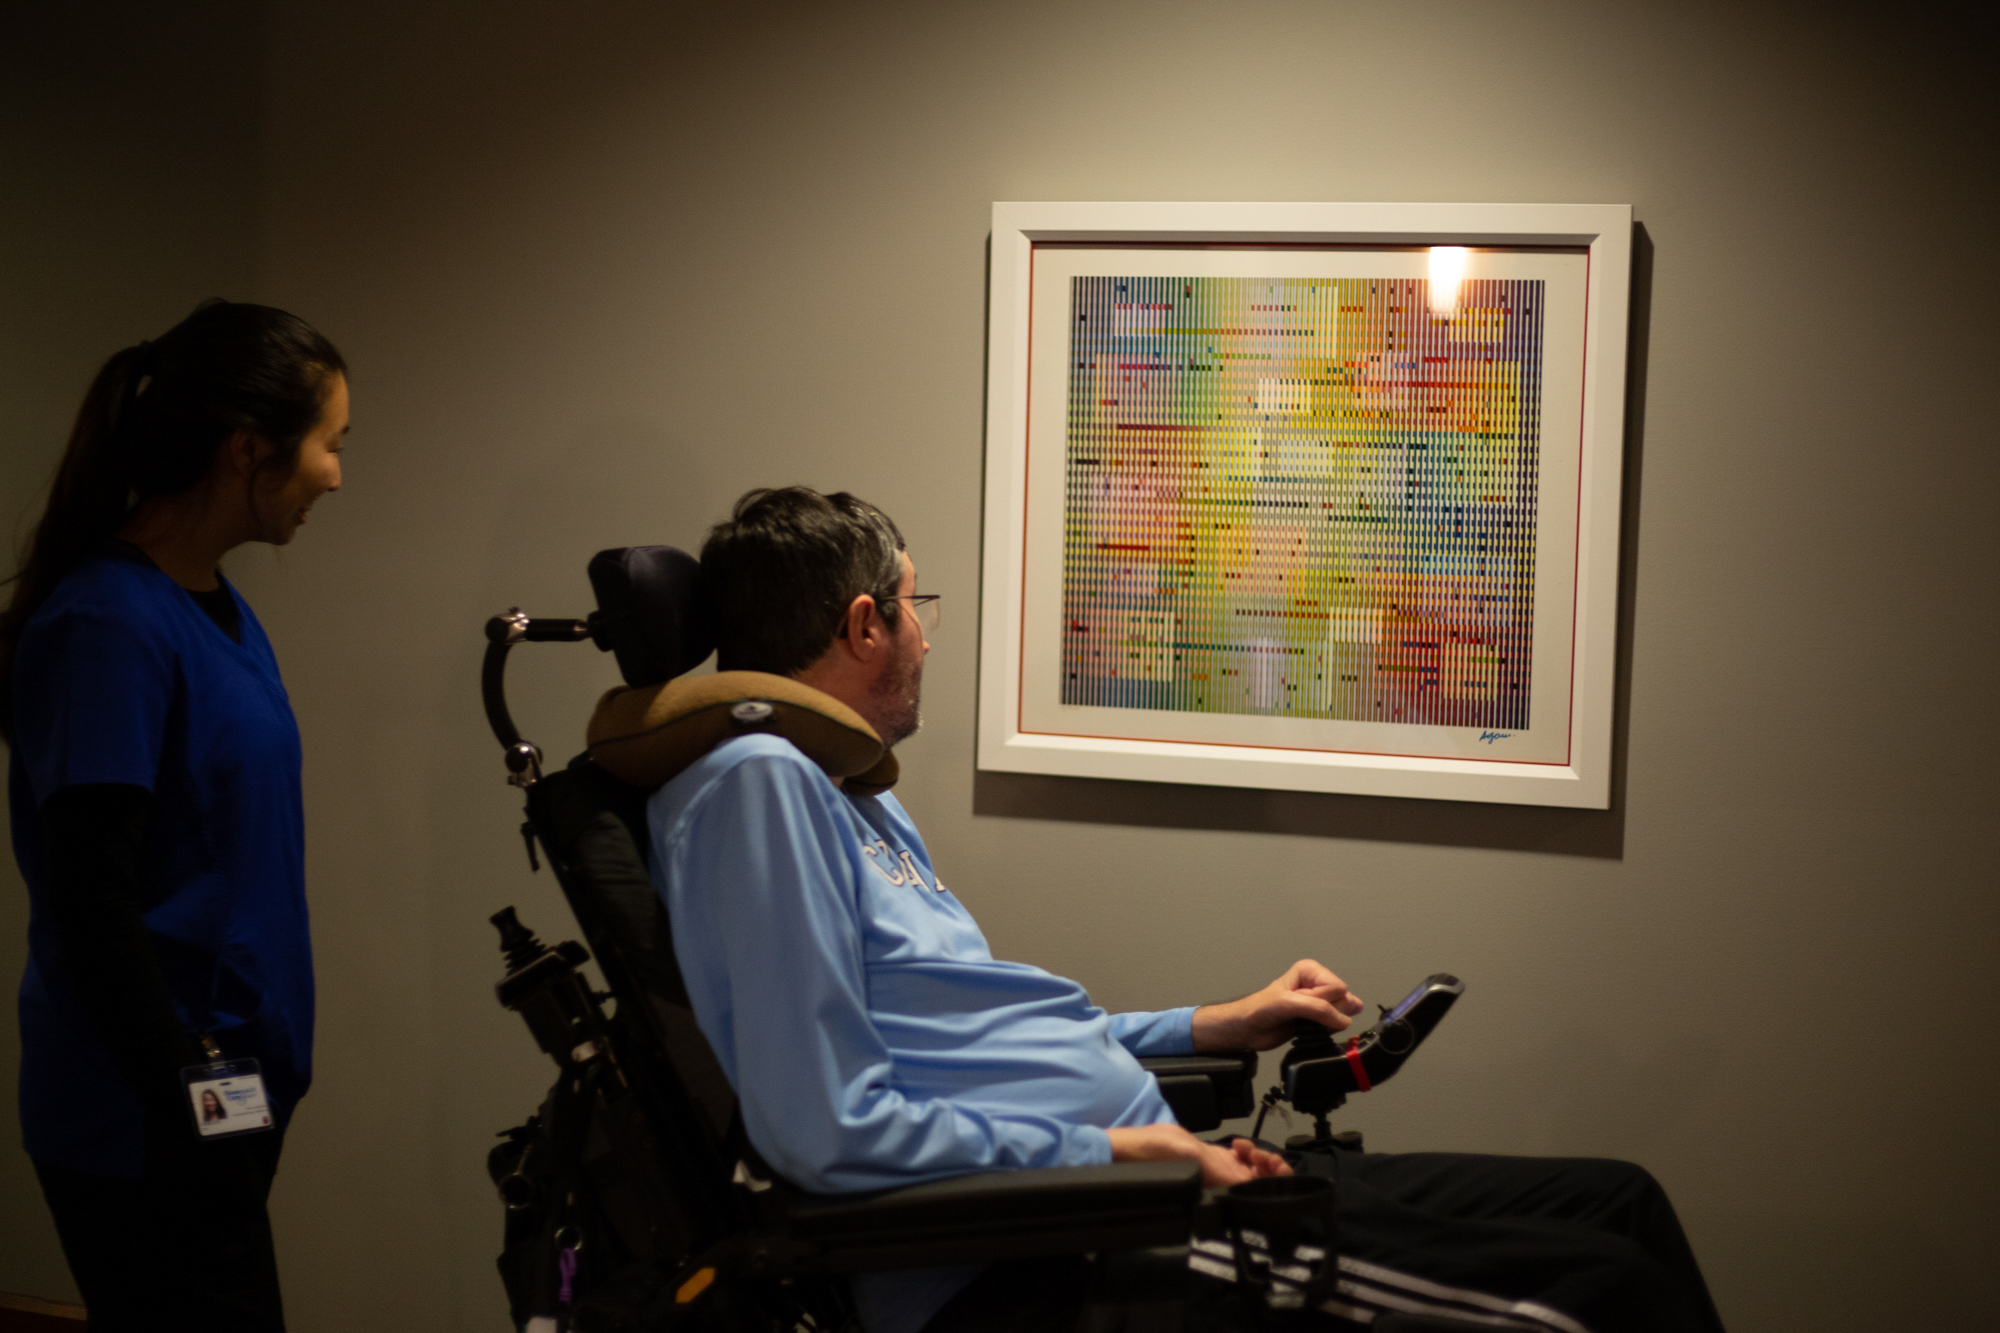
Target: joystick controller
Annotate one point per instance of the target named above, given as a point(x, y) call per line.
point(1319, 1070)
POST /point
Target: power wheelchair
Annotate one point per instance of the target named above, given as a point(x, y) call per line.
point(634, 1199)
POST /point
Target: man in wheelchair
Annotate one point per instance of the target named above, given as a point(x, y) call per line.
point(872, 1040)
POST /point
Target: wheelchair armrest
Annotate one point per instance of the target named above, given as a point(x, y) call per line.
point(1205, 1090)
point(998, 1215)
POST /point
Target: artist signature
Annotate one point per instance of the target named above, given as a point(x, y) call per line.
point(1491, 736)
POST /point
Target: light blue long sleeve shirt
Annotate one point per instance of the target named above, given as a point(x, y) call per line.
point(871, 1036)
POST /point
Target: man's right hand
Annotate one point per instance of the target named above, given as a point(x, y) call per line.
point(1220, 1167)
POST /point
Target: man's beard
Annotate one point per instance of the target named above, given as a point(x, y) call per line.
point(897, 694)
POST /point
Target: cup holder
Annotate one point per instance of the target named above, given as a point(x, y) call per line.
point(1285, 1237)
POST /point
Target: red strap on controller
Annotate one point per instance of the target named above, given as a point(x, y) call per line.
point(1354, 1062)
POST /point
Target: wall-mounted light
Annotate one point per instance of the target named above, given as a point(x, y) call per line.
point(1447, 271)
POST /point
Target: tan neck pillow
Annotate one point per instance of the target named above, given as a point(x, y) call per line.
point(647, 735)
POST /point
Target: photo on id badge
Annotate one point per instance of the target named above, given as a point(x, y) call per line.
point(227, 1097)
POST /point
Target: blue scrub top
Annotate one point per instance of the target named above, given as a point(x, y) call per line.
point(121, 677)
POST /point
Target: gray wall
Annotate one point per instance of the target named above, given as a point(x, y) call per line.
point(130, 165)
point(601, 268)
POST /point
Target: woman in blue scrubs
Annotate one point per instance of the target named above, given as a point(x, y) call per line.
point(154, 789)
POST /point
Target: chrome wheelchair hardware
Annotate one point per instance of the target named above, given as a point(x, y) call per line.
point(524, 758)
point(518, 627)
point(510, 629)
point(524, 770)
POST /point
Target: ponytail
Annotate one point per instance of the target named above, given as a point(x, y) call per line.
point(150, 425)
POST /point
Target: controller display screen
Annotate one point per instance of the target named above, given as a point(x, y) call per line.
point(1407, 1003)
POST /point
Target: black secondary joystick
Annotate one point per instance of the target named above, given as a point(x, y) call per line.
point(516, 940)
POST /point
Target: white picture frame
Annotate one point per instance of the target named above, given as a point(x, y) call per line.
point(1574, 263)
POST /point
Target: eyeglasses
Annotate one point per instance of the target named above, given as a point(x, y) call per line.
point(925, 606)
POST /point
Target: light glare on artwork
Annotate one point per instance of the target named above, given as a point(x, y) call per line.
point(1447, 271)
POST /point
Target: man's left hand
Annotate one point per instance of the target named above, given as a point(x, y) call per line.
point(1265, 1019)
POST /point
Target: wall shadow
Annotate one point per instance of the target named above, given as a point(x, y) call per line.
point(1528, 828)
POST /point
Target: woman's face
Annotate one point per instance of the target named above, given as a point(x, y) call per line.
point(281, 504)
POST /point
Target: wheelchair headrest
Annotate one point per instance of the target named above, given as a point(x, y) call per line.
point(646, 736)
point(653, 615)
point(651, 612)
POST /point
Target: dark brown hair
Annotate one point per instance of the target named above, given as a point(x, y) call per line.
point(150, 425)
point(780, 574)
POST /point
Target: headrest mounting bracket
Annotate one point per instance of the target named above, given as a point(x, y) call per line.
point(524, 758)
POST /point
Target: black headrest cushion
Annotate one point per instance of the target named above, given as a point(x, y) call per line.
point(652, 613)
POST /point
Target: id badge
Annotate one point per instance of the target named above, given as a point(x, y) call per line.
point(227, 1097)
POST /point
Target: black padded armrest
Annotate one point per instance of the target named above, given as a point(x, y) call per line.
point(1002, 1196)
point(1228, 1064)
point(1205, 1090)
point(999, 1215)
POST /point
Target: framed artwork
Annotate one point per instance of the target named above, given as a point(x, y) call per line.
point(1322, 497)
